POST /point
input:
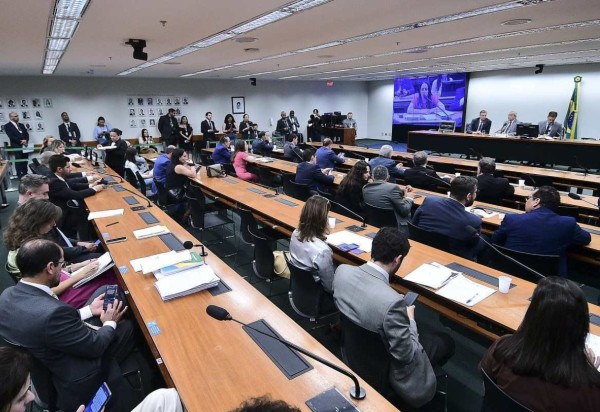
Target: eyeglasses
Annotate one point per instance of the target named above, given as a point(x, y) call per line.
point(61, 263)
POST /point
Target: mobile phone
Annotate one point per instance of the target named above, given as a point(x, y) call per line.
point(140, 207)
point(116, 240)
point(410, 298)
point(198, 168)
point(99, 400)
point(109, 296)
point(97, 242)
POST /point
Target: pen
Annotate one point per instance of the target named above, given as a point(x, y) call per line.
point(110, 224)
point(472, 297)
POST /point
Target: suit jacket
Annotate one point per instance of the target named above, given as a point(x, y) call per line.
point(292, 153)
point(311, 175)
point(363, 294)
point(245, 134)
point(389, 196)
point(511, 129)
point(167, 126)
point(205, 126)
point(389, 164)
point(52, 332)
point(64, 133)
point(262, 147)
point(474, 126)
point(493, 189)
point(60, 193)
point(555, 131)
point(422, 177)
point(284, 126)
point(13, 134)
point(448, 217)
point(541, 231)
point(327, 159)
point(73, 177)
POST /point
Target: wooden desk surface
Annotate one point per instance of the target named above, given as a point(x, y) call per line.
point(214, 365)
point(504, 310)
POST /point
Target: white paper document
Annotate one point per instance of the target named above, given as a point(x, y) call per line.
point(480, 212)
point(346, 236)
point(152, 263)
point(105, 213)
point(186, 282)
point(462, 290)
point(433, 275)
point(150, 231)
point(105, 262)
point(593, 342)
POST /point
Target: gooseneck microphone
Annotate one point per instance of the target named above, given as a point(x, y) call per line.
point(138, 195)
point(189, 245)
point(424, 173)
point(356, 215)
point(473, 232)
point(220, 313)
point(578, 197)
point(357, 154)
point(108, 174)
point(476, 153)
point(579, 165)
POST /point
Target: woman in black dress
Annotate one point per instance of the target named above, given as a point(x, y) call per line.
point(229, 128)
point(115, 153)
point(185, 136)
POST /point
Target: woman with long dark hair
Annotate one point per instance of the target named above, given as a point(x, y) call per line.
point(349, 193)
point(424, 101)
point(130, 163)
point(181, 189)
point(240, 159)
point(313, 129)
point(185, 136)
point(115, 153)
point(545, 365)
point(229, 127)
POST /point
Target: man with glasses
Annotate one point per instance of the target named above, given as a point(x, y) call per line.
point(541, 230)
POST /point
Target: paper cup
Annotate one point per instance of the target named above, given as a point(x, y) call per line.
point(501, 216)
point(457, 174)
point(521, 183)
point(448, 194)
point(504, 284)
point(331, 222)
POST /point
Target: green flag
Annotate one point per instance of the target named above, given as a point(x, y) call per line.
point(572, 112)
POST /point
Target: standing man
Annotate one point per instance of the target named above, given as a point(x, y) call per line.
point(550, 127)
point(284, 126)
point(296, 126)
point(19, 138)
point(480, 125)
point(69, 132)
point(168, 128)
point(510, 126)
point(208, 129)
point(349, 121)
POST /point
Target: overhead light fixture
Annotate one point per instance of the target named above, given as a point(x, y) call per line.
point(515, 22)
point(261, 21)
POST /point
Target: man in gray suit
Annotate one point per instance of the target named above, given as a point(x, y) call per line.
point(78, 356)
point(510, 126)
point(386, 195)
point(363, 294)
point(550, 127)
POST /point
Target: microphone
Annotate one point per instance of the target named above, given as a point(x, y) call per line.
point(532, 180)
point(356, 215)
point(95, 155)
point(189, 245)
point(422, 172)
point(108, 174)
point(473, 232)
point(267, 187)
point(219, 313)
point(585, 170)
point(478, 154)
point(578, 197)
point(363, 157)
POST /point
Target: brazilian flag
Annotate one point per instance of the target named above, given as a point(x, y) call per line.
point(572, 112)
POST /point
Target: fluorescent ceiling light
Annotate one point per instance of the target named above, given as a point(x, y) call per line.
point(51, 54)
point(183, 52)
point(217, 38)
point(58, 44)
point(70, 9)
point(63, 29)
point(320, 46)
point(261, 21)
point(304, 5)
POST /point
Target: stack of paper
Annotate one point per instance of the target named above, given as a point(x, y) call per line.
point(186, 282)
point(150, 231)
point(348, 237)
point(170, 270)
point(105, 262)
point(153, 263)
point(105, 213)
point(433, 275)
point(593, 342)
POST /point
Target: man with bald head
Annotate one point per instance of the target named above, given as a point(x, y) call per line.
point(509, 127)
point(19, 138)
point(284, 125)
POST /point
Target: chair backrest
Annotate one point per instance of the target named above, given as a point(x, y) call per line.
point(247, 221)
point(265, 176)
point(326, 195)
point(547, 265)
point(264, 261)
point(141, 182)
point(380, 217)
point(130, 177)
point(33, 168)
point(365, 353)
point(296, 190)
point(163, 196)
point(229, 169)
point(538, 180)
point(496, 400)
point(305, 294)
point(426, 237)
point(567, 210)
point(287, 176)
point(35, 161)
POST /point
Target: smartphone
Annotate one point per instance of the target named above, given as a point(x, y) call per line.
point(100, 399)
point(109, 296)
point(116, 240)
point(97, 242)
point(410, 298)
point(198, 168)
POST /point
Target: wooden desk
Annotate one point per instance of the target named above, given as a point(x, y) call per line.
point(345, 134)
point(214, 365)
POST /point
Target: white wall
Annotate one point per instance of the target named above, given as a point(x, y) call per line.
point(86, 98)
point(499, 92)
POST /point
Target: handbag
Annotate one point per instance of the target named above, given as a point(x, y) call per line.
point(280, 266)
point(215, 171)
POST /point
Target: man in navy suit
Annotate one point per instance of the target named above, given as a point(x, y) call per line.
point(448, 217)
point(19, 138)
point(540, 230)
point(422, 176)
point(492, 189)
point(551, 127)
point(384, 159)
point(308, 173)
point(326, 158)
point(480, 125)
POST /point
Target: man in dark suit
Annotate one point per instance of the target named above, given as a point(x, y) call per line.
point(384, 159)
point(69, 131)
point(422, 176)
point(492, 189)
point(262, 144)
point(19, 138)
point(364, 295)
point(480, 125)
point(540, 230)
point(78, 357)
point(447, 216)
point(168, 128)
point(284, 125)
point(208, 129)
point(308, 173)
point(551, 127)
point(291, 151)
point(326, 157)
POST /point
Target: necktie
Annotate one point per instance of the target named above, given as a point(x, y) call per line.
point(479, 127)
point(548, 128)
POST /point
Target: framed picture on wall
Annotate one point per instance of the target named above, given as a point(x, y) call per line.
point(36, 102)
point(47, 103)
point(40, 127)
point(238, 105)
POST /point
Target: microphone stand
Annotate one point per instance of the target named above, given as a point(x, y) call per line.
point(138, 195)
point(362, 219)
point(189, 245)
point(585, 170)
point(578, 197)
point(422, 172)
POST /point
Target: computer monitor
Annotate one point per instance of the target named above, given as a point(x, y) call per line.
point(528, 130)
point(447, 127)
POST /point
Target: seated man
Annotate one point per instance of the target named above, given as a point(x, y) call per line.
point(363, 294)
point(308, 173)
point(384, 159)
point(422, 176)
point(222, 154)
point(447, 216)
point(33, 187)
point(78, 357)
point(540, 230)
point(77, 177)
point(480, 125)
point(386, 195)
point(291, 151)
point(510, 126)
point(492, 189)
point(262, 144)
point(550, 127)
point(326, 158)
point(161, 165)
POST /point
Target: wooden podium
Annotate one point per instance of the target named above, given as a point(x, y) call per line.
point(341, 135)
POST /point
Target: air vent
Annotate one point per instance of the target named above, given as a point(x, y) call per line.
point(245, 39)
point(172, 63)
point(515, 22)
point(252, 50)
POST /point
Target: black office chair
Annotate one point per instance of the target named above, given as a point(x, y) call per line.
point(229, 169)
point(206, 159)
point(307, 297)
point(496, 400)
point(296, 190)
point(428, 238)
point(326, 195)
point(33, 168)
point(130, 177)
point(35, 161)
point(141, 183)
point(547, 265)
point(380, 217)
point(287, 177)
point(263, 264)
point(268, 178)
